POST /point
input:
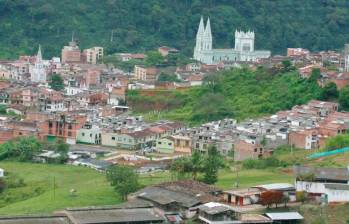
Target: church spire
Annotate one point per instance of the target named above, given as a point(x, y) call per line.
point(39, 55)
point(208, 36)
point(208, 28)
point(201, 29)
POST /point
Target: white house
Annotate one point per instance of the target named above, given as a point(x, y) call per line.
point(331, 183)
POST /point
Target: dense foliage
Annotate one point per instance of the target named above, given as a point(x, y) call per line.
point(190, 167)
point(344, 98)
point(337, 142)
point(56, 82)
point(124, 179)
point(124, 25)
point(271, 197)
point(239, 93)
point(25, 148)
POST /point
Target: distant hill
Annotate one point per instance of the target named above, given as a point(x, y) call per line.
point(142, 25)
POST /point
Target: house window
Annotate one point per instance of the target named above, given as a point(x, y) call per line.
point(83, 134)
point(255, 150)
point(20, 133)
point(170, 143)
point(70, 126)
point(50, 124)
point(69, 133)
point(91, 135)
point(113, 138)
point(159, 143)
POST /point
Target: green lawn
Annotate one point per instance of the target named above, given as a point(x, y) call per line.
point(40, 196)
point(246, 178)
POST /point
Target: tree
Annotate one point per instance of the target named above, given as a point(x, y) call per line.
point(329, 92)
point(337, 142)
point(153, 58)
point(196, 162)
point(56, 82)
point(271, 197)
point(344, 98)
point(212, 163)
point(124, 180)
point(285, 199)
point(287, 66)
point(163, 77)
point(211, 107)
point(23, 148)
point(213, 82)
point(315, 75)
point(181, 168)
point(62, 148)
point(301, 196)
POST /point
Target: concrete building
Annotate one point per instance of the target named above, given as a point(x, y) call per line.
point(92, 55)
point(145, 74)
point(164, 145)
point(71, 53)
point(89, 134)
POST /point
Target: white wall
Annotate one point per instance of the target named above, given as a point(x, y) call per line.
point(337, 195)
point(310, 187)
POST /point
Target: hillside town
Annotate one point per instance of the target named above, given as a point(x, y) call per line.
point(80, 99)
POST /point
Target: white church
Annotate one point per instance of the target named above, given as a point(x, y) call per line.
point(243, 51)
point(38, 70)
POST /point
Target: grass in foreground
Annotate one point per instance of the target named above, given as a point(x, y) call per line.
point(47, 188)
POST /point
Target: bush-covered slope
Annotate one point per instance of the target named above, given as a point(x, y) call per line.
point(237, 93)
point(142, 25)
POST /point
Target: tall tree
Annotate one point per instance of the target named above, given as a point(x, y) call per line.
point(153, 58)
point(196, 162)
point(124, 180)
point(212, 163)
point(62, 148)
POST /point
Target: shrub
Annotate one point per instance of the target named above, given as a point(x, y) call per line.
point(301, 196)
point(262, 163)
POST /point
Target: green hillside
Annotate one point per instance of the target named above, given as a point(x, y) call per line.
point(143, 25)
point(239, 93)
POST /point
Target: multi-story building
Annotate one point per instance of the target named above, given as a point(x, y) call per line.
point(71, 53)
point(92, 55)
point(145, 74)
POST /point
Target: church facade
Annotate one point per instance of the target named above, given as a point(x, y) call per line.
point(243, 51)
point(38, 70)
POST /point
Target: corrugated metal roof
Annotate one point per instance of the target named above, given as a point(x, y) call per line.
point(284, 216)
point(342, 187)
point(276, 186)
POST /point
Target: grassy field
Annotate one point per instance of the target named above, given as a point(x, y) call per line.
point(47, 188)
point(245, 178)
